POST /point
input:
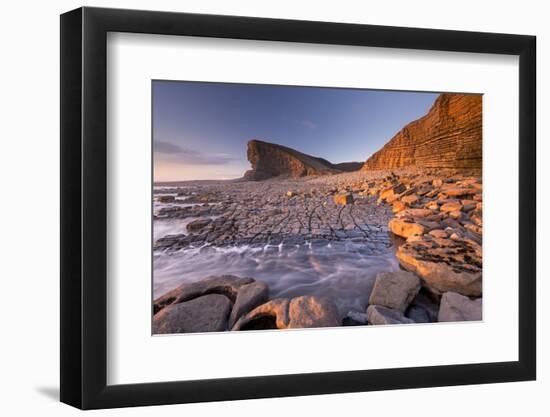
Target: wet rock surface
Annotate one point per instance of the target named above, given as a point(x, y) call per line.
point(430, 219)
point(276, 212)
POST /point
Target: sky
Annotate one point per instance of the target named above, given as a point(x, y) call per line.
point(200, 130)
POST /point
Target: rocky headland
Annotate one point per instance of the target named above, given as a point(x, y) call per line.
point(427, 214)
point(269, 160)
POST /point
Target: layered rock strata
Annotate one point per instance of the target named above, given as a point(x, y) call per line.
point(448, 136)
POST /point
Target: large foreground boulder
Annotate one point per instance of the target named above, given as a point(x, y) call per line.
point(176, 310)
point(395, 289)
point(282, 313)
point(309, 311)
point(249, 296)
point(456, 307)
point(208, 313)
point(227, 285)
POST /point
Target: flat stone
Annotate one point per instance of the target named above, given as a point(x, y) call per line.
point(458, 191)
point(395, 289)
point(208, 313)
point(416, 212)
point(405, 228)
point(438, 233)
point(456, 307)
point(440, 275)
point(379, 315)
point(449, 207)
point(198, 224)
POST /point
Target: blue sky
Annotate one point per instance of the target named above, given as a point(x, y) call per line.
point(200, 130)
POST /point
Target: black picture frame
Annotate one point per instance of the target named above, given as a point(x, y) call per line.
point(84, 207)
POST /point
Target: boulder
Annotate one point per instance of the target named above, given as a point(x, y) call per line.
point(343, 199)
point(395, 289)
point(410, 199)
point(390, 194)
point(379, 315)
point(271, 315)
point(456, 307)
point(227, 285)
point(398, 206)
point(309, 311)
point(282, 313)
point(442, 269)
point(208, 313)
point(405, 228)
point(249, 296)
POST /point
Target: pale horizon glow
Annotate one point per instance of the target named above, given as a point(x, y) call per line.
point(200, 129)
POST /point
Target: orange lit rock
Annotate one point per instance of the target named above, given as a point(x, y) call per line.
point(448, 136)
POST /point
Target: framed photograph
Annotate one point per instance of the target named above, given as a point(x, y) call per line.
point(258, 208)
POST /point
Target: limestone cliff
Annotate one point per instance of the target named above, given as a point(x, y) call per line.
point(271, 160)
point(448, 136)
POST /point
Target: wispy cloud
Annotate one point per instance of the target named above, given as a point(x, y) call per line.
point(176, 153)
point(308, 124)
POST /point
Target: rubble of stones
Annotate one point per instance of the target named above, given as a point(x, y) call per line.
point(437, 215)
point(231, 303)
